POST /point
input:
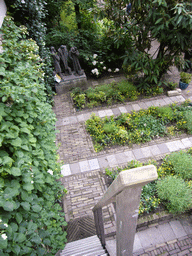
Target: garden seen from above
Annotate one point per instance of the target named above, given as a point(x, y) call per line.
point(102, 41)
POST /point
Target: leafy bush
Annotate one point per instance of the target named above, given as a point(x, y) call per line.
point(176, 193)
point(188, 121)
point(30, 194)
point(107, 93)
point(179, 163)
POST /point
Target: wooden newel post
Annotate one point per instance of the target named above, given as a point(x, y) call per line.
point(127, 208)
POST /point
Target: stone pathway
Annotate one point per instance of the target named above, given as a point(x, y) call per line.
point(83, 168)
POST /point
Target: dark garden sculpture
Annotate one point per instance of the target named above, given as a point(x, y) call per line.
point(56, 60)
point(63, 54)
point(74, 54)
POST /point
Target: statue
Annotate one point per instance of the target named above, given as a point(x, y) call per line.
point(74, 54)
point(63, 54)
point(56, 60)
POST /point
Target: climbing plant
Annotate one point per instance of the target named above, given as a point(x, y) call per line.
point(31, 220)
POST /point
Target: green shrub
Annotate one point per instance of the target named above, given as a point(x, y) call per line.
point(188, 119)
point(175, 193)
point(30, 193)
point(179, 163)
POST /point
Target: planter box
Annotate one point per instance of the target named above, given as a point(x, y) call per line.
point(182, 85)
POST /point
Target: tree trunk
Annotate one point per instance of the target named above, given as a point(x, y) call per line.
point(78, 16)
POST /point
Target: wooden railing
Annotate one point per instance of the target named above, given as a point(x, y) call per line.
point(125, 191)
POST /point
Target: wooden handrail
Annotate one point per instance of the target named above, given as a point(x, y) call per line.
point(126, 191)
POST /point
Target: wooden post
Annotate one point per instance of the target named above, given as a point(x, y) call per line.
point(98, 217)
point(127, 208)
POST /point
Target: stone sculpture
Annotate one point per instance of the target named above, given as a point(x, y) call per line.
point(61, 61)
point(56, 60)
point(63, 54)
point(74, 54)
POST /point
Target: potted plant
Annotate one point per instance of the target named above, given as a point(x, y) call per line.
point(185, 79)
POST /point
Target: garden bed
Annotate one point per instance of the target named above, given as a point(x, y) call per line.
point(113, 93)
point(171, 193)
point(140, 127)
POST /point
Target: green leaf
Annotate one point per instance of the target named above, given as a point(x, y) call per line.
point(28, 186)
point(36, 208)
point(10, 192)
point(16, 143)
point(19, 217)
point(1, 182)
point(16, 249)
point(15, 171)
point(158, 21)
point(36, 239)
point(3, 243)
point(32, 226)
point(7, 161)
point(9, 206)
point(26, 206)
point(20, 237)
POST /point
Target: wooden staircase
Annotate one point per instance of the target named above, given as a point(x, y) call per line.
point(90, 246)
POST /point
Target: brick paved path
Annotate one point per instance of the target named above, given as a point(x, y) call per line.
point(83, 168)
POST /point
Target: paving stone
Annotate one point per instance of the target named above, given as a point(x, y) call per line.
point(109, 112)
point(75, 168)
point(163, 148)
point(65, 170)
point(174, 99)
point(187, 225)
point(116, 111)
point(66, 121)
point(123, 109)
point(167, 232)
point(121, 158)
point(102, 113)
point(137, 244)
point(73, 119)
point(177, 228)
point(103, 162)
point(145, 239)
point(168, 100)
point(156, 103)
point(186, 142)
point(180, 145)
point(142, 105)
point(172, 146)
point(129, 155)
point(94, 164)
point(129, 108)
point(162, 102)
point(112, 160)
point(87, 116)
point(146, 152)
point(138, 154)
point(81, 118)
point(136, 107)
point(180, 98)
point(84, 166)
point(155, 150)
point(149, 103)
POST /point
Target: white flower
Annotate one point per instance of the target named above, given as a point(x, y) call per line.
point(109, 70)
point(94, 56)
point(0, 220)
point(6, 225)
point(95, 71)
point(50, 171)
point(145, 125)
point(87, 58)
point(32, 182)
point(104, 68)
point(101, 62)
point(4, 236)
point(116, 70)
point(94, 62)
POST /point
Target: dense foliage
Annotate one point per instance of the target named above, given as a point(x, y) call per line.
point(33, 15)
point(169, 22)
point(30, 214)
point(138, 127)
